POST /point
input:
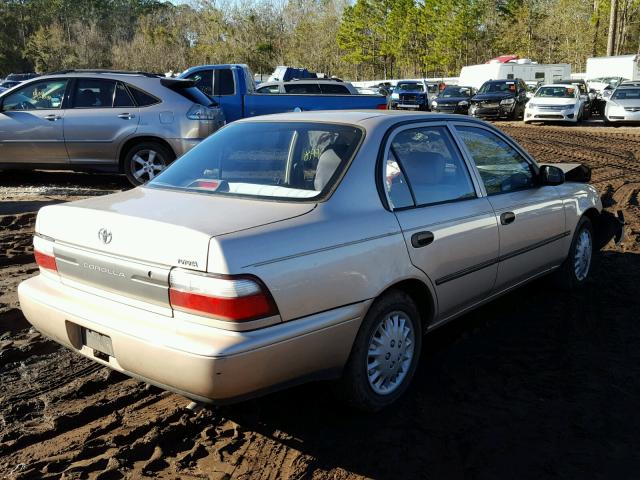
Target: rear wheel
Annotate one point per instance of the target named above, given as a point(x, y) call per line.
point(385, 353)
point(575, 269)
point(144, 160)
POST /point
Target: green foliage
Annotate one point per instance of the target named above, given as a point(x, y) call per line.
point(349, 38)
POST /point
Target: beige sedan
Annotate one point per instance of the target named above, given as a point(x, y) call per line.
point(303, 246)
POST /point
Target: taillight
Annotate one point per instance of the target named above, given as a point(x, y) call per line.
point(232, 298)
point(381, 106)
point(200, 112)
point(43, 251)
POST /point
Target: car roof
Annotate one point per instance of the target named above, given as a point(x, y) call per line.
point(367, 118)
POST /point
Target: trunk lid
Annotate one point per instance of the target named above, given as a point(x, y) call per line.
point(124, 245)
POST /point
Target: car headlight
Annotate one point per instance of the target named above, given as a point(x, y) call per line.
point(395, 96)
point(463, 103)
point(508, 101)
point(434, 104)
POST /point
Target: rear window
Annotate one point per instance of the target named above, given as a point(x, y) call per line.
point(294, 161)
point(303, 88)
point(142, 98)
point(195, 95)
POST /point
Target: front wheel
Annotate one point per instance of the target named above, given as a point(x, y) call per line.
point(575, 270)
point(385, 353)
point(144, 160)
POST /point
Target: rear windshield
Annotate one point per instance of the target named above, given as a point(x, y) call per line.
point(556, 92)
point(195, 95)
point(294, 161)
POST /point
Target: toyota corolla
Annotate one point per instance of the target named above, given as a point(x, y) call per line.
point(304, 246)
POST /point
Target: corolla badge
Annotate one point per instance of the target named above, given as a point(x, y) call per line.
point(105, 235)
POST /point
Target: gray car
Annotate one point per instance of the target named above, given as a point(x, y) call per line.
point(126, 122)
point(302, 246)
point(309, 87)
point(623, 105)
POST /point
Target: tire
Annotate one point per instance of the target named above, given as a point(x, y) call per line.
point(144, 160)
point(360, 387)
point(574, 271)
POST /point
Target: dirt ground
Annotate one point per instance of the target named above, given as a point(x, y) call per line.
point(535, 385)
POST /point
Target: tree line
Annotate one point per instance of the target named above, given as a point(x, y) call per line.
point(352, 39)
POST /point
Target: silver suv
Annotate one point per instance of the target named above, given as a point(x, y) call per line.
point(128, 122)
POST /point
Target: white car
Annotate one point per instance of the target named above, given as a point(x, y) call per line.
point(555, 103)
point(623, 105)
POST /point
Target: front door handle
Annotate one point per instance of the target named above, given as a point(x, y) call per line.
point(421, 239)
point(52, 117)
point(507, 217)
point(127, 116)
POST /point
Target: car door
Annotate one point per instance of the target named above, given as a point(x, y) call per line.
point(530, 217)
point(449, 229)
point(31, 124)
point(101, 117)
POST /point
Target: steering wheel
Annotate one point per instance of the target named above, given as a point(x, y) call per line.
point(24, 105)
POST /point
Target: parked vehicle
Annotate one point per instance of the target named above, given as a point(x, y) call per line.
point(500, 99)
point(283, 73)
point(309, 87)
point(132, 123)
point(306, 245)
point(14, 79)
point(524, 68)
point(588, 97)
point(624, 105)
point(453, 99)
point(410, 95)
point(622, 66)
point(557, 102)
point(532, 86)
point(233, 88)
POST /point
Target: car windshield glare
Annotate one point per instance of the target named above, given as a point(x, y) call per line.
point(556, 92)
point(498, 87)
point(453, 92)
point(292, 161)
point(626, 94)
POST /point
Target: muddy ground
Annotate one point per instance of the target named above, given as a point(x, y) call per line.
point(536, 385)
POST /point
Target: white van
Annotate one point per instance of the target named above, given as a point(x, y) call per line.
point(476, 75)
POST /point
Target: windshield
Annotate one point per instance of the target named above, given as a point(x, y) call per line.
point(626, 94)
point(556, 92)
point(285, 160)
point(453, 92)
point(498, 87)
point(410, 87)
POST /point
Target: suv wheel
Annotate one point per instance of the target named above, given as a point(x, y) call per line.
point(385, 353)
point(144, 160)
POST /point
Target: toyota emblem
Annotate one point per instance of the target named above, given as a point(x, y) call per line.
point(105, 235)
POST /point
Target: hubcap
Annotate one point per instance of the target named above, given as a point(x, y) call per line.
point(146, 165)
point(390, 353)
point(582, 256)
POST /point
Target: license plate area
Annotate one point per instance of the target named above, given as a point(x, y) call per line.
point(101, 344)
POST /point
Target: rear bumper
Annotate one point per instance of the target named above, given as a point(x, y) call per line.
point(201, 362)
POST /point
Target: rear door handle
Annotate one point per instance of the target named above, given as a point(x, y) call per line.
point(52, 117)
point(421, 239)
point(127, 116)
point(507, 217)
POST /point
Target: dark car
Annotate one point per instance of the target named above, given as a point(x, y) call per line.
point(409, 95)
point(453, 99)
point(500, 99)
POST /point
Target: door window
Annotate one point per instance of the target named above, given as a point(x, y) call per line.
point(122, 98)
point(204, 81)
point(45, 95)
point(142, 98)
point(90, 93)
point(223, 82)
point(303, 88)
point(501, 167)
point(334, 89)
point(432, 165)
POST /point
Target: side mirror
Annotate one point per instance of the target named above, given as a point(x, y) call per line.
point(550, 175)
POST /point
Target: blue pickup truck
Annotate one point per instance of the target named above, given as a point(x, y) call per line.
point(232, 87)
